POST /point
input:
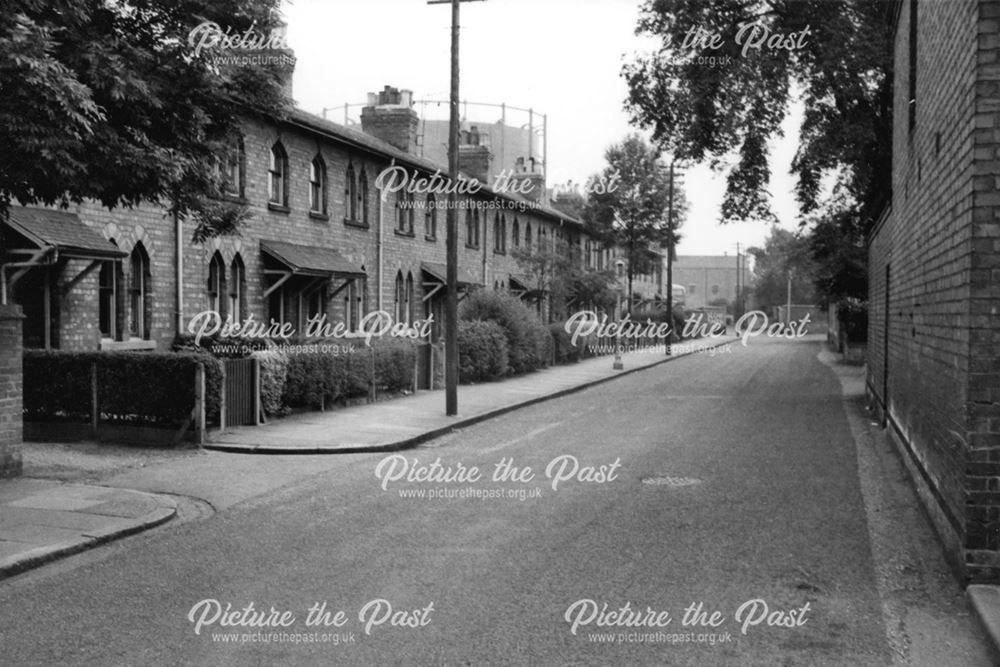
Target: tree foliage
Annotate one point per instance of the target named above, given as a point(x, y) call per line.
point(556, 269)
point(784, 253)
point(107, 101)
point(732, 105)
point(631, 212)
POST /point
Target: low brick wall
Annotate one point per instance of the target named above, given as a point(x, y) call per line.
point(10, 391)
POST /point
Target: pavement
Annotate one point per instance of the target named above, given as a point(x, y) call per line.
point(406, 422)
point(42, 520)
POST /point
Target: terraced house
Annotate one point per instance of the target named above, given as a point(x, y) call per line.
point(326, 236)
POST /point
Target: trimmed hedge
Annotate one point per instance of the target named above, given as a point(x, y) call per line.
point(138, 388)
point(528, 340)
point(314, 378)
point(563, 350)
point(273, 375)
point(482, 351)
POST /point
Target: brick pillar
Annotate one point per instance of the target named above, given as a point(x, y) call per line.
point(10, 390)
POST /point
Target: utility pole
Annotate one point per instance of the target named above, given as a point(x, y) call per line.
point(736, 302)
point(788, 312)
point(670, 257)
point(451, 297)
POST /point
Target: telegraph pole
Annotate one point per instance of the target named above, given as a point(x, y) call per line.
point(670, 256)
point(451, 297)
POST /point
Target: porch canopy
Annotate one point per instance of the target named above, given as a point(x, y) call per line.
point(321, 264)
point(33, 237)
point(436, 279)
point(521, 286)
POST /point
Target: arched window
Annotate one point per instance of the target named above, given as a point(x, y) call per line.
point(351, 194)
point(475, 225)
point(470, 232)
point(400, 300)
point(277, 183)
point(317, 186)
point(139, 292)
point(515, 233)
point(108, 287)
point(497, 233)
point(237, 289)
point(430, 219)
point(527, 236)
point(352, 304)
point(408, 299)
point(404, 212)
point(234, 168)
point(363, 195)
point(217, 285)
point(503, 233)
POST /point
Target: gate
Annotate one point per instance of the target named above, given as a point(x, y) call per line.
point(242, 392)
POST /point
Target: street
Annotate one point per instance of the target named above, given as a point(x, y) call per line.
point(726, 486)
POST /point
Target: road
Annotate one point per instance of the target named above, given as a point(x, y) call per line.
point(727, 481)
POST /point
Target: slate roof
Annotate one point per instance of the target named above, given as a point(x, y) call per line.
point(62, 230)
point(310, 259)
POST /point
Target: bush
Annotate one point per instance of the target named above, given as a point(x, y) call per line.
point(563, 350)
point(273, 375)
point(482, 351)
point(139, 388)
point(313, 378)
point(528, 340)
point(852, 316)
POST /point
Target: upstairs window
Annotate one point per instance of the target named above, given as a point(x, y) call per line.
point(351, 194)
point(277, 183)
point(430, 219)
point(362, 204)
point(404, 213)
point(234, 169)
point(317, 186)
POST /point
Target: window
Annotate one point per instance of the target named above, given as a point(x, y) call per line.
point(315, 304)
point(234, 169)
point(277, 184)
point(400, 295)
point(317, 186)
point(363, 196)
point(110, 278)
point(430, 219)
point(352, 304)
point(351, 194)
point(404, 213)
point(408, 299)
point(217, 285)
point(140, 302)
point(691, 289)
point(715, 289)
point(470, 233)
point(500, 233)
point(527, 236)
point(515, 233)
point(237, 289)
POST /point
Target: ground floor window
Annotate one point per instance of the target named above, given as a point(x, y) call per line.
point(140, 297)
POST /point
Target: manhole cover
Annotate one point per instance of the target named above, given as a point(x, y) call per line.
point(671, 481)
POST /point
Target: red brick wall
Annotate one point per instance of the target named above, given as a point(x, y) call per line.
point(934, 363)
point(10, 391)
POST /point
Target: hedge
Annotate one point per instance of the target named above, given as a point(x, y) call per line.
point(528, 340)
point(563, 350)
point(138, 388)
point(314, 378)
point(273, 375)
point(482, 351)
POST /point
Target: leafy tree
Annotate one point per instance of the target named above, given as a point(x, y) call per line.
point(555, 269)
point(841, 67)
point(784, 253)
point(631, 212)
point(840, 256)
point(108, 101)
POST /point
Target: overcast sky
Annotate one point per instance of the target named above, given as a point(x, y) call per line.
point(559, 57)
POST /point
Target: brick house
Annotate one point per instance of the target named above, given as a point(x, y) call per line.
point(323, 238)
point(934, 274)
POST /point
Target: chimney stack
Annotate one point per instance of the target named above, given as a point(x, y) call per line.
point(532, 173)
point(390, 117)
point(474, 154)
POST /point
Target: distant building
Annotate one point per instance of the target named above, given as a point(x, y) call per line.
point(708, 279)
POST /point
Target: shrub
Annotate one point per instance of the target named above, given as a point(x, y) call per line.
point(852, 315)
point(273, 375)
point(482, 351)
point(528, 339)
point(563, 349)
point(141, 388)
point(395, 359)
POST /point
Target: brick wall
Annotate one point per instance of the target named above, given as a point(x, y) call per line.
point(10, 391)
point(933, 344)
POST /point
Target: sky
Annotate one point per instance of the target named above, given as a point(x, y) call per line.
point(562, 58)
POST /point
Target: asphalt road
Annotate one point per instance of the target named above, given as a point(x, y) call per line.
point(728, 481)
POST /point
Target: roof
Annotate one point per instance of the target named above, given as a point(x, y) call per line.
point(375, 145)
point(310, 260)
point(62, 230)
point(440, 272)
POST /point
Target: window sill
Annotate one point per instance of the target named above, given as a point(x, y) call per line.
point(430, 238)
point(130, 344)
point(499, 252)
point(280, 208)
point(406, 234)
point(471, 247)
point(356, 223)
point(316, 215)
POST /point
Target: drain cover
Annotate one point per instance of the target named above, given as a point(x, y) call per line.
point(671, 481)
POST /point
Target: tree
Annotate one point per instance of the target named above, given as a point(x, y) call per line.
point(839, 253)
point(109, 101)
point(784, 254)
point(628, 205)
point(555, 269)
point(839, 57)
